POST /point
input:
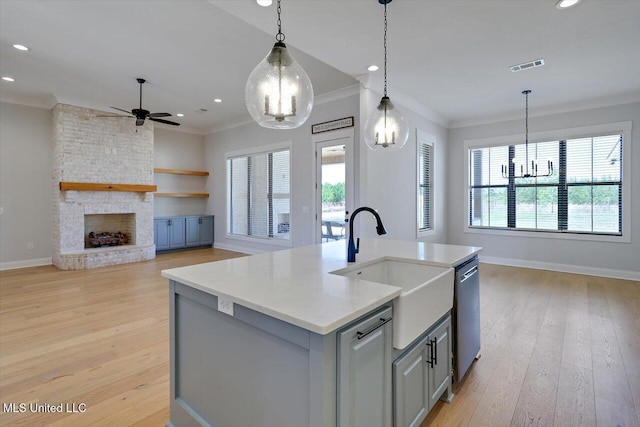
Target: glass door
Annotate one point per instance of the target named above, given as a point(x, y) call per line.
point(333, 188)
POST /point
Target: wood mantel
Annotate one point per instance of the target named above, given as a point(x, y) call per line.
point(95, 186)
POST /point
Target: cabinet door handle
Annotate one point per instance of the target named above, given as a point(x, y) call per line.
point(435, 350)
point(169, 223)
point(199, 220)
point(382, 322)
point(430, 361)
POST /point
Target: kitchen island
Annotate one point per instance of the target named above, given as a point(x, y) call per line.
point(260, 340)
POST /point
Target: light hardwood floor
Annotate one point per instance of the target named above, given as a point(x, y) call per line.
point(99, 337)
point(557, 349)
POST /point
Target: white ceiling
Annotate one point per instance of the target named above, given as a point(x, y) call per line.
point(90, 52)
point(450, 56)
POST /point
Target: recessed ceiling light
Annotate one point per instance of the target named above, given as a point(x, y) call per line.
point(20, 47)
point(218, 100)
point(8, 79)
point(564, 4)
point(264, 3)
point(373, 68)
point(180, 115)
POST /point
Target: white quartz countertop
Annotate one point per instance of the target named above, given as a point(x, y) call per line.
point(296, 286)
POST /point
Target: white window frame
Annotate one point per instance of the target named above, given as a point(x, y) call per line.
point(623, 128)
point(423, 137)
point(264, 149)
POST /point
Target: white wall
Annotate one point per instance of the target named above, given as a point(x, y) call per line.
point(571, 255)
point(388, 179)
point(179, 150)
point(25, 185)
point(302, 170)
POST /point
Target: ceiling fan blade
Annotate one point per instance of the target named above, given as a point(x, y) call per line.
point(139, 122)
point(164, 121)
point(159, 115)
point(120, 109)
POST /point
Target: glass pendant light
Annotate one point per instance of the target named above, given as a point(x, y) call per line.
point(522, 170)
point(386, 128)
point(279, 94)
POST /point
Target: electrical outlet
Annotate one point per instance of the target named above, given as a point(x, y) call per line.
point(30, 245)
point(1, 211)
point(225, 306)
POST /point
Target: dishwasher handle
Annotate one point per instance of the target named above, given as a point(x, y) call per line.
point(382, 322)
point(469, 273)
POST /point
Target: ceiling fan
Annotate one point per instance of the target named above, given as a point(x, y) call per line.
point(141, 114)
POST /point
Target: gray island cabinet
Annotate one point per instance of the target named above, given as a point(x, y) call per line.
point(277, 340)
point(422, 375)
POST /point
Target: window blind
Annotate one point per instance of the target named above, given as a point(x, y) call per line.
point(425, 186)
point(583, 195)
point(259, 200)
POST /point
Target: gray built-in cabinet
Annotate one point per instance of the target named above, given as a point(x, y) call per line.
point(422, 375)
point(181, 232)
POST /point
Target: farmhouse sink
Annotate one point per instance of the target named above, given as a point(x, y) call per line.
point(427, 293)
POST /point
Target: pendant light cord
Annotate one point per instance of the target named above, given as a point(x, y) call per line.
point(526, 132)
point(280, 35)
point(385, 49)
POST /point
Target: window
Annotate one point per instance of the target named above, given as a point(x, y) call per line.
point(259, 195)
point(425, 183)
point(584, 195)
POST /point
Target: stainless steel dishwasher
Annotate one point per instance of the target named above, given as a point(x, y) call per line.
point(466, 316)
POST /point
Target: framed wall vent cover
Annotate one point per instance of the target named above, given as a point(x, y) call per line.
point(527, 65)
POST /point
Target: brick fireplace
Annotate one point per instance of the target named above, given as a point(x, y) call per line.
point(93, 150)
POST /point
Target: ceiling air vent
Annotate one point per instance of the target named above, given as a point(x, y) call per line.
point(527, 65)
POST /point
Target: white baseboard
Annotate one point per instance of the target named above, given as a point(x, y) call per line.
point(242, 249)
point(565, 268)
point(12, 265)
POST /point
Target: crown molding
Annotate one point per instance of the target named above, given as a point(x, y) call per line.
point(324, 98)
point(335, 95)
point(94, 106)
point(26, 100)
point(229, 125)
point(410, 103)
point(606, 101)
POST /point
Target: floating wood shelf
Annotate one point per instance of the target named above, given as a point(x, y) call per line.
point(94, 186)
point(181, 172)
point(203, 195)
